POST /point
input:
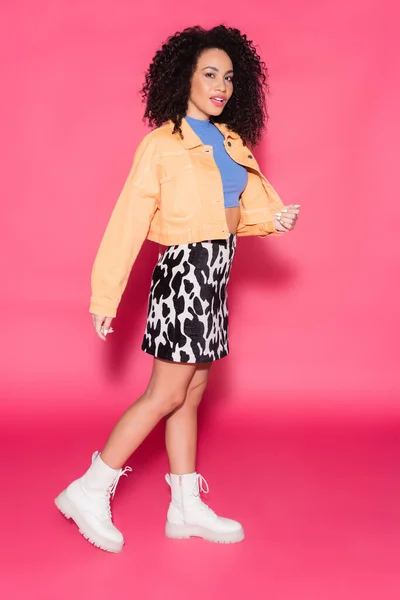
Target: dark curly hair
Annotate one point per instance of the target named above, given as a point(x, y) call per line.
point(168, 80)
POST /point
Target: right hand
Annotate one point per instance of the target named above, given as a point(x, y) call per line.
point(286, 219)
point(102, 326)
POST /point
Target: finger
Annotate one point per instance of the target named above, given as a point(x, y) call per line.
point(287, 223)
point(107, 326)
point(278, 226)
point(290, 211)
point(288, 219)
point(98, 323)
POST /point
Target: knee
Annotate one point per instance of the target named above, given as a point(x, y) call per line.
point(167, 402)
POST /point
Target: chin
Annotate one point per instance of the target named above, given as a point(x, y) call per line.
point(216, 112)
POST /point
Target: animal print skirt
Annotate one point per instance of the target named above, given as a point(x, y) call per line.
point(187, 319)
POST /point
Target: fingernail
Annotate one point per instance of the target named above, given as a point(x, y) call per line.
point(105, 331)
point(297, 205)
point(284, 209)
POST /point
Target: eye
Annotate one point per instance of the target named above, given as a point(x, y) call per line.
point(229, 78)
point(209, 74)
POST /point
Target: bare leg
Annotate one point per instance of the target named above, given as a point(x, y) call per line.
point(166, 391)
point(181, 425)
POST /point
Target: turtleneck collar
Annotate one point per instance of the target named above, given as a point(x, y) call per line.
point(191, 140)
point(198, 122)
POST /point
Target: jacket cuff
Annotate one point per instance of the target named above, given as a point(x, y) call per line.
point(269, 228)
point(104, 311)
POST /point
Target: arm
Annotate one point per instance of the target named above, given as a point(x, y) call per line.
point(284, 221)
point(259, 229)
point(260, 206)
point(126, 231)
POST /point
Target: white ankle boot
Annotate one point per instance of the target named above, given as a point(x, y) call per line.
point(189, 516)
point(87, 502)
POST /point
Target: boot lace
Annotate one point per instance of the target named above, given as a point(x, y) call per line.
point(197, 488)
point(113, 487)
point(200, 485)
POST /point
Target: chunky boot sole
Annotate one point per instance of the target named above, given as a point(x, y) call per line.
point(70, 511)
point(181, 532)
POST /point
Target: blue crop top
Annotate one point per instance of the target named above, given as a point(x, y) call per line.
point(233, 175)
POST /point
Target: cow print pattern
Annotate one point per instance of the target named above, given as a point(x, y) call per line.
point(187, 318)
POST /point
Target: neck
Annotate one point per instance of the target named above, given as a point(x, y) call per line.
point(195, 113)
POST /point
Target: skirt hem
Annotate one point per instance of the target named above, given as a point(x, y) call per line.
point(184, 362)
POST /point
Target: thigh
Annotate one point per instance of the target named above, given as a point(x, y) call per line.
point(200, 377)
point(170, 378)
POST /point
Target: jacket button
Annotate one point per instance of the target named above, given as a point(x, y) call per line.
point(249, 156)
point(229, 143)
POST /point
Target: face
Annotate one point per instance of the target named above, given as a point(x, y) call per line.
point(212, 84)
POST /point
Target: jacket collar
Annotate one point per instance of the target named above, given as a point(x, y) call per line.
point(191, 139)
point(226, 131)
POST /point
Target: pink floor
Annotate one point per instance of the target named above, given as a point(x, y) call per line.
point(320, 504)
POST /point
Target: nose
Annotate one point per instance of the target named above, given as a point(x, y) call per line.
point(221, 85)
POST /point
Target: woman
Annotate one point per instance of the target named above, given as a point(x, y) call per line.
point(193, 187)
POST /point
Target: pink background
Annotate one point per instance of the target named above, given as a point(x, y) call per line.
point(314, 315)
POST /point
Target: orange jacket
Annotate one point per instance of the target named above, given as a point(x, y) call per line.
point(174, 195)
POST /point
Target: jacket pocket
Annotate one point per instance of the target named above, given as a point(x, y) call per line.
point(179, 195)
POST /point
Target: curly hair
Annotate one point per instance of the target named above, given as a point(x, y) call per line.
point(168, 80)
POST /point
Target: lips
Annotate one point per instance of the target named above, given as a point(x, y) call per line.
point(218, 100)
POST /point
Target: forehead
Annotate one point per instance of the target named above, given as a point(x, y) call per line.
point(214, 57)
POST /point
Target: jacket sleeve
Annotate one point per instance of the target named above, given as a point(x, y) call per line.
point(126, 231)
point(261, 222)
point(259, 229)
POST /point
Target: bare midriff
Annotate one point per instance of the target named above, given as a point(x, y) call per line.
point(232, 218)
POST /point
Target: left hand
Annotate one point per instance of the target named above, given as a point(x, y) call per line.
point(102, 326)
point(286, 219)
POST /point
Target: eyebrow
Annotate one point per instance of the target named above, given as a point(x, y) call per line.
point(217, 70)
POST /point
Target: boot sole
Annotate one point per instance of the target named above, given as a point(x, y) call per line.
point(184, 532)
point(67, 508)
